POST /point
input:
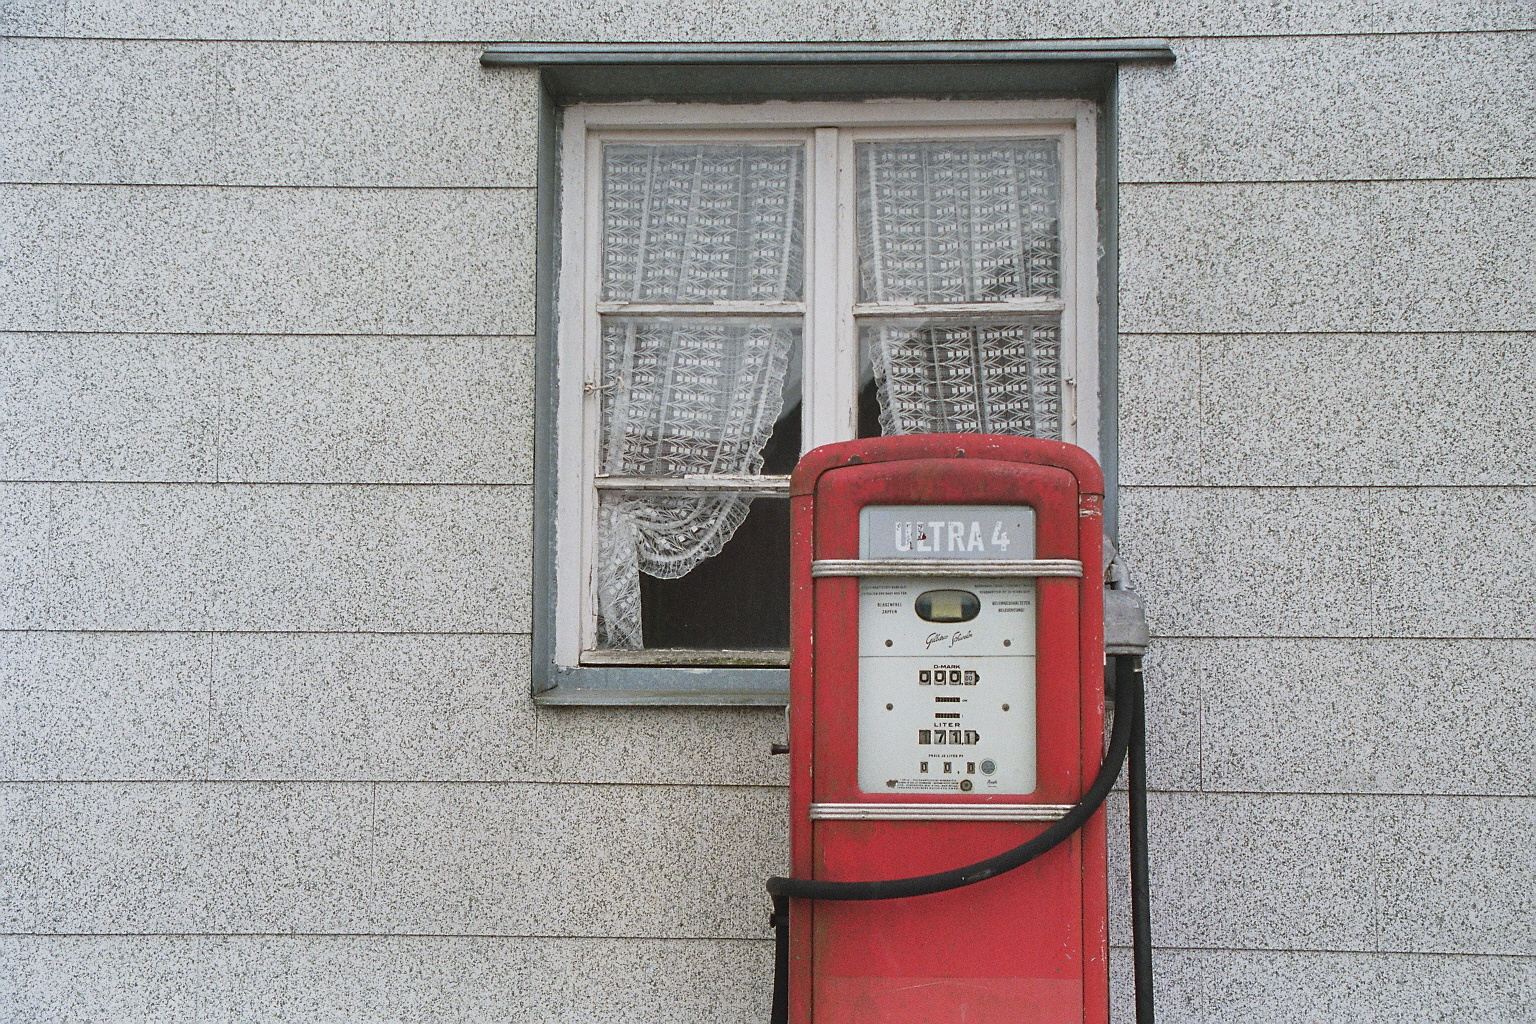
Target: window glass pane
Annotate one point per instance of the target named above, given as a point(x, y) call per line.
point(681, 396)
point(736, 600)
point(692, 571)
point(688, 222)
point(961, 375)
point(959, 221)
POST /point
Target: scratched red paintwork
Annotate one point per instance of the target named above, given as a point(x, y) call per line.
point(1023, 947)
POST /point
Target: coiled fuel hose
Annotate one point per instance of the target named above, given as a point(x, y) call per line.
point(1127, 721)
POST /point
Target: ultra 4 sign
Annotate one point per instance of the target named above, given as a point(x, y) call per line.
point(947, 531)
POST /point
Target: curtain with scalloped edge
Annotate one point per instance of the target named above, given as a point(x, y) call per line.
point(688, 223)
point(690, 396)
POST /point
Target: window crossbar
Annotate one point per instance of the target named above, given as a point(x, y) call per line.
point(745, 484)
point(965, 309)
point(688, 657)
point(724, 308)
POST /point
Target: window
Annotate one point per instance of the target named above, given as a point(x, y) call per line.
point(740, 283)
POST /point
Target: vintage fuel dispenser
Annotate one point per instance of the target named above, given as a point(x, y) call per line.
point(947, 736)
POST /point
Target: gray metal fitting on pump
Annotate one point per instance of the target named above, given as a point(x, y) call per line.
point(1125, 617)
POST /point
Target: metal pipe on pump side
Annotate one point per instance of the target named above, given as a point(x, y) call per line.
point(998, 475)
point(1125, 641)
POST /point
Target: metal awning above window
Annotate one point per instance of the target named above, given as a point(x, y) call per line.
point(596, 72)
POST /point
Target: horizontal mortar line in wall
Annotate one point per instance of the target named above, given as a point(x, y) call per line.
point(1331, 950)
point(729, 786)
point(1126, 332)
point(445, 936)
point(532, 780)
point(1326, 487)
point(267, 483)
point(1334, 793)
point(312, 186)
point(302, 186)
point(656, 784)
point(771, 787)
point(1372, 638)
point(375, 187)
point(1125, 183)
point(480, 40)
point(1124, 486)
point(265, 632)
point(265, 334)
point(216, 632)
point(1405, 33)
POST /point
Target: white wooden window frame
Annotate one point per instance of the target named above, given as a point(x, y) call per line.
point(829, 313)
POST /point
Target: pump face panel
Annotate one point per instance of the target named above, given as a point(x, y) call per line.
point(947, 665)
point(946, 705)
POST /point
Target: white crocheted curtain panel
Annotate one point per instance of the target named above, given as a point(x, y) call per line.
point(965, 221)
point(973, 376)
point(686, 395)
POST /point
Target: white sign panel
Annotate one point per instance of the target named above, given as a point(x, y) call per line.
point(947, 531)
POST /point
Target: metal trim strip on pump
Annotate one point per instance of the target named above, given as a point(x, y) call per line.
point(939, 812)
point(991, 568)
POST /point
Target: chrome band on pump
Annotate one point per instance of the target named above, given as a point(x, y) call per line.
point(995, 568)
point(939, 812)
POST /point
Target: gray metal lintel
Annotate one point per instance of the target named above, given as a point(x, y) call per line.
point(541, 54)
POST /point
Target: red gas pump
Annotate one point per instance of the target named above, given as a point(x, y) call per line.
point(947, 711)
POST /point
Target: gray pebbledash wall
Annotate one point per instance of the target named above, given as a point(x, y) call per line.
point(265, 443)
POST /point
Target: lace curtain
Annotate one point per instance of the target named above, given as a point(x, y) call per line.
point(699, 223)
point(965, 221)
point(689, 223)
point(941, 377)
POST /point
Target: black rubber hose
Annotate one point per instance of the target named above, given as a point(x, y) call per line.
point(923, 885)
point(780, 921)
point(1141, 903)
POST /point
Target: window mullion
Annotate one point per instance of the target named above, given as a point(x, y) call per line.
point(828, 382)
point(1079, 245)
